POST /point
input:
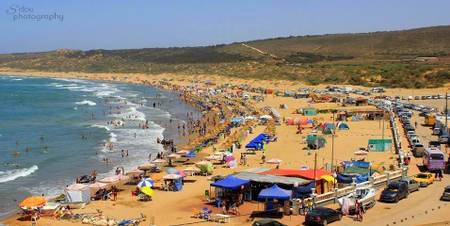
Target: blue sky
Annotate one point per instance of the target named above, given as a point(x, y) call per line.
point(117, 24)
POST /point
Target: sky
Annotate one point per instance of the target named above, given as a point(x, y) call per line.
point(43, 25)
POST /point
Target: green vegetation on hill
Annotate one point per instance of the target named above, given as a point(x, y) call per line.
point(370, 59)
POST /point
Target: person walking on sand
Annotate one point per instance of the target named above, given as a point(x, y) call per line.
point(34, 219)
point(359, 210)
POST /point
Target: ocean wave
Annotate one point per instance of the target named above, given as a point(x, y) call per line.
point(17, 79)
point(86, 102)
point(104, 93)
point(101, 126)
point(132, 114)
point(11, 175)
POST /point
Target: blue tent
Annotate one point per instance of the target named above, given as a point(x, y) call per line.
point(344, 179)
point(343, 126)
point(254, 145)
point(361, 164)
point(302, 191)
point(275, 192)
point(230, 182)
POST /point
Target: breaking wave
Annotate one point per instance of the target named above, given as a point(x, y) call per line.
point(11, 175)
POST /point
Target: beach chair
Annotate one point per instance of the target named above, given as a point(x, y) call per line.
point(206, 213)
point(196, 213)
point(221, 218)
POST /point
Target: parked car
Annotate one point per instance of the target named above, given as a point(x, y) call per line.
point(322, 216)
point(414, 141)
point(446, 194)
point(267, 222)
point(443, 139)
point(418, 150)
point(409, 127)
point(424, 179)
point(413, 185)
point(434, 144)
point(394, 192)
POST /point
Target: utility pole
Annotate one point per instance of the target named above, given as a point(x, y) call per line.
point(315, 166)
point(382, 131)
point(446, 110)
point(332, 144)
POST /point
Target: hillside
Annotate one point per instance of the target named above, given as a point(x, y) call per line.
point(378, 58)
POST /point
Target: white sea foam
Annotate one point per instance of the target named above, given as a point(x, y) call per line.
point(17, 79)
point(102, 126)
point(131, 114)
point(112, 137)
point(86, 102)
point(104, 93)
point(11, 175)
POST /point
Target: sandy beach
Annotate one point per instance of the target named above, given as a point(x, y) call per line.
point(177, 208)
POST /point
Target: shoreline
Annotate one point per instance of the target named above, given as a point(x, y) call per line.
point(168, 133)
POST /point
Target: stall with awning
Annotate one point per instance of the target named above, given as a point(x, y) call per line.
point(231, 183)
point(275, 192)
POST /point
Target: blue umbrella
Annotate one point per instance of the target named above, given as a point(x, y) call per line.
point(191, 154)
point(146, 182)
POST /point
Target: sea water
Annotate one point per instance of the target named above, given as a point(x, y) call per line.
point(53, 130)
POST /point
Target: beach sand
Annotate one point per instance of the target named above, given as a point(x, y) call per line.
point(171, 208)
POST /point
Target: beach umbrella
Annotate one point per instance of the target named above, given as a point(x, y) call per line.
point(191, 169)
point(361, 152)
point(274, 161)
point(159, 161)
point(170, 170)
point(191, 154)
point(147, 166)
point(114, 179)
point(229, 158)
point(147, 191)
point(76, 187)
point(181, 173)
point(172, 176)
point(97, 186)
point(146, 182)
point(183, 152)
point(173, 156)
point(266, 117)
point(135, 172)
point(33, 202)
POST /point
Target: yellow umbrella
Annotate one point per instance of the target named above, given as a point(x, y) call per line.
point(33, 202)
point(148, 191)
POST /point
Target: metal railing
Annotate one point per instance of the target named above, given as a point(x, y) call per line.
point(376, 181)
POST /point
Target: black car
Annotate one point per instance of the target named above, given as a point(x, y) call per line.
point(409, 127)
point(267, 222)
point(394, 192)
point(322, 216)
point(446, 194)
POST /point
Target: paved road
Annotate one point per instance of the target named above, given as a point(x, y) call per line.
point(422, 207)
